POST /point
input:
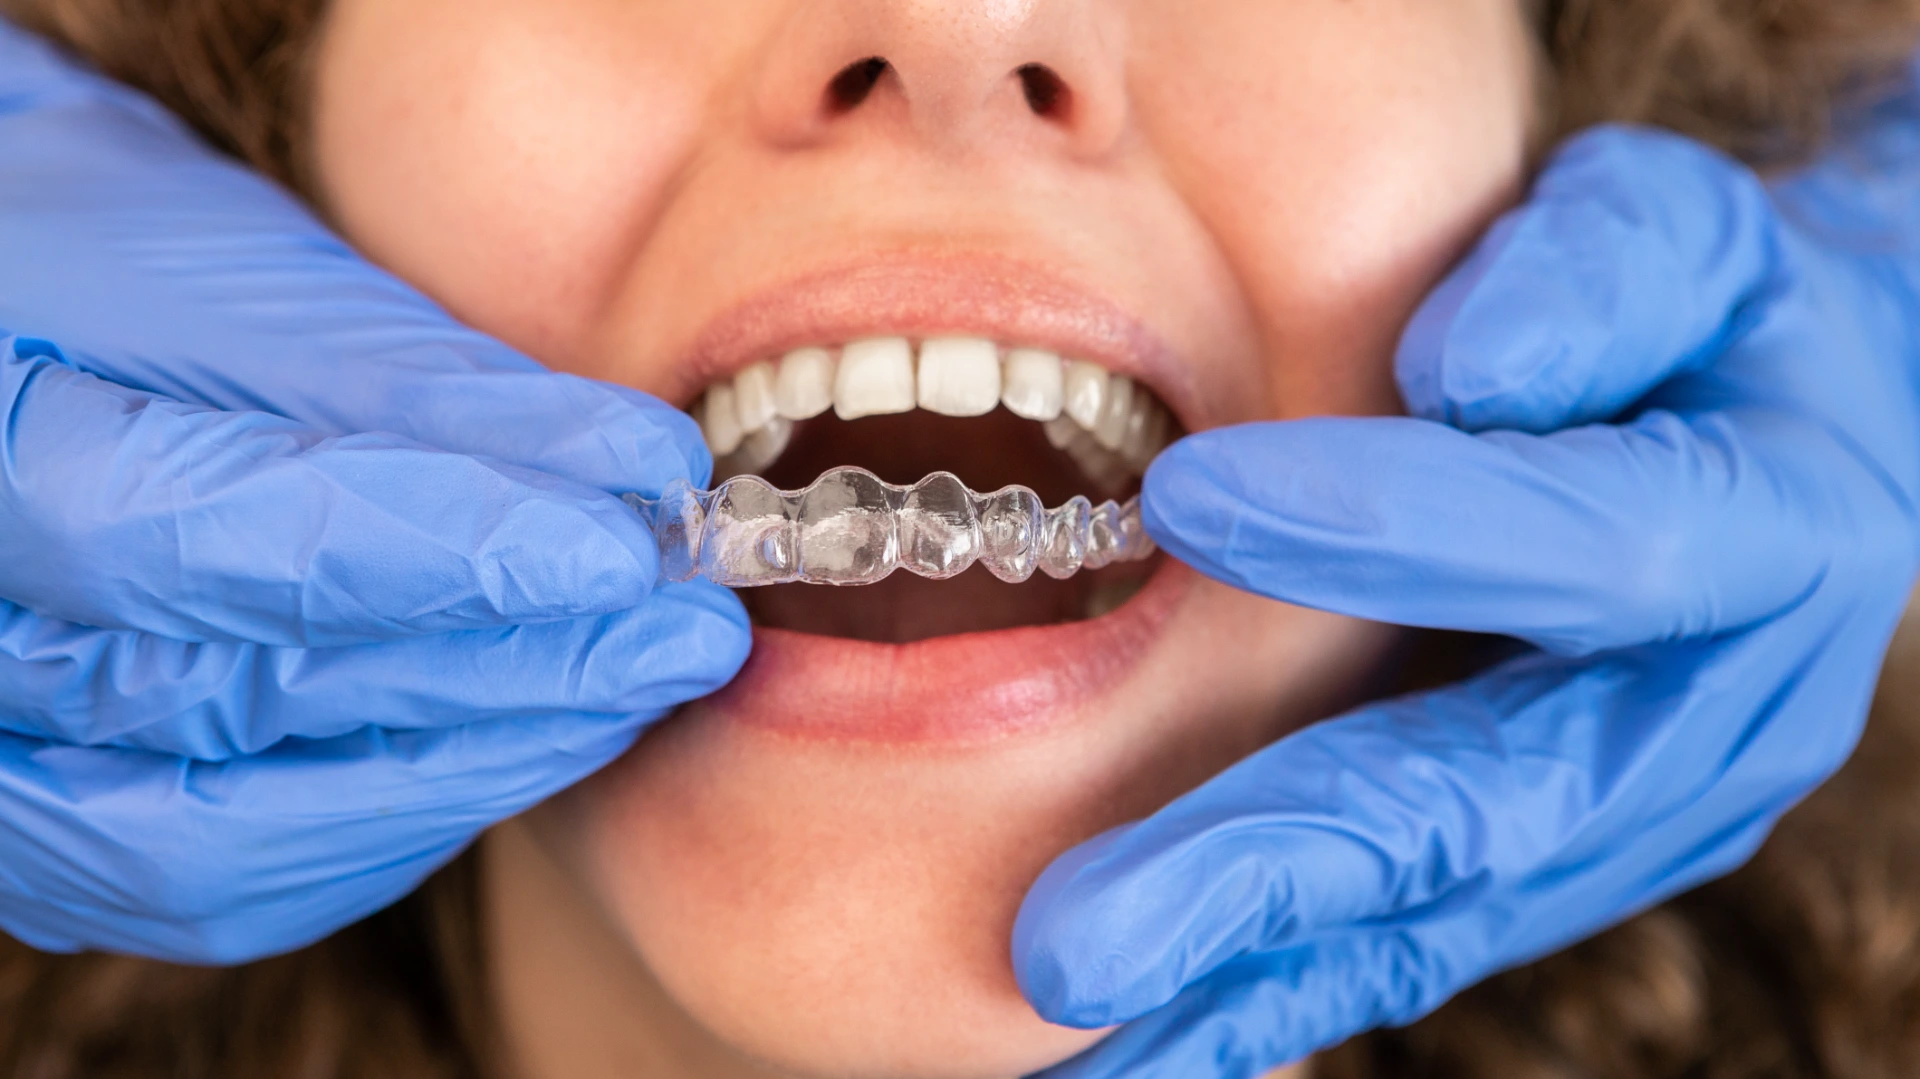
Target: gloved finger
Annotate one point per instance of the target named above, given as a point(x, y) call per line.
point(127, 510)
point(1265, 1010)
point(1673, 526)
point(1245, 1020)
point(108, 848)
point(227, 292)
point(1414, 810)
point(83, 686)
point(1262, 1012)
point(1639, 255)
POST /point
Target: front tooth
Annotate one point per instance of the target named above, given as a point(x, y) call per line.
point(1111, 428)
point(959, 376)
point(1033, 386)
point(753, 396)
point(720, 420)
point(1086, 392)
point(1011, 520)
point(1135, 544)
point(939, 529)
point(1146, 433)
point(804, 387)
point(875, 378)
point(1062, 431)
point(847, 528)
point(762, 447)
point(1063, 538)
point(749, 535)
point(1103, 536)
point(1101, 465)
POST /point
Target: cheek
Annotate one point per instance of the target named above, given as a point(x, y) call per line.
point(1342, 155)
point(501, 157)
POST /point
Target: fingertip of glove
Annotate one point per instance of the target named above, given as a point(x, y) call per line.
point(40, 938)
point(665, 439)
point(564, 554)
point(598, 434)
point(681, 432)
point(683, 642)
point(1621, 155)
point(702, 633)
point(1068, 969)
point(1058, 990)
point(1493, 344)
point(1627, 258)
point(726, 622)
point(1213, 472)
point(1244, 504)
point(1190, 497)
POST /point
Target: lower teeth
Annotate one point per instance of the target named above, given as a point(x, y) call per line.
point(850, 527)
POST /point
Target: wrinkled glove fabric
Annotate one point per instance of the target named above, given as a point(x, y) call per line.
point(302, 583)
point(1665, 429)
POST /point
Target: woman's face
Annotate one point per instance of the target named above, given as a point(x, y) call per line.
point(1236, 203)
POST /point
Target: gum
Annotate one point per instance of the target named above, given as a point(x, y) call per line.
point(850, 527)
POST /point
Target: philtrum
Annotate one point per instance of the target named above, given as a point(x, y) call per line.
point(850, 527)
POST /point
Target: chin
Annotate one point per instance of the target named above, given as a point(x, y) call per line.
point(845, 911)
point(834, 892)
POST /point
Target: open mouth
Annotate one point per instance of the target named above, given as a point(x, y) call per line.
point(991, 415)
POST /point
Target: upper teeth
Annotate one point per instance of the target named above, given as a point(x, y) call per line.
point(1112, 427)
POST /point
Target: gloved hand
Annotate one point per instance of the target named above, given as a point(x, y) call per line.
point(304, 584)
point(1710, 580)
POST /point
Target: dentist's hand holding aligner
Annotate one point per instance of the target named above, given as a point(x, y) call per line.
point(302, 584)
point(1666, 432)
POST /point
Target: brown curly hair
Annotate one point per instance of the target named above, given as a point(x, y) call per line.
point(1803, 965)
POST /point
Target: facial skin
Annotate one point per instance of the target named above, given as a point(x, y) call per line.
point(1263, 189)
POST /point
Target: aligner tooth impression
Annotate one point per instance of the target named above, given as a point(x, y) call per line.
point(850, 527)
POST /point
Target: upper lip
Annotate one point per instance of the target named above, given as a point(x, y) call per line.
point(1008, 300)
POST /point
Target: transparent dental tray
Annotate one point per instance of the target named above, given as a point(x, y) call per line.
point(850, 527)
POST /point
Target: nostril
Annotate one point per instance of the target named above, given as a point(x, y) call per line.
point(855, 81)
point(1047, 93)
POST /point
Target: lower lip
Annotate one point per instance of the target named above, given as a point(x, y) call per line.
point(966, 688)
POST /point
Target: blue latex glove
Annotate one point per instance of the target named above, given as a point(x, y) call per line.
point(304, 584)
point(1710, 583)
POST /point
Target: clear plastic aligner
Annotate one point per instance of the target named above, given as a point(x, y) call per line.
point(850, 527)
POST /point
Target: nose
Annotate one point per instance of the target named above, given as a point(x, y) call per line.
point(948, 73)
